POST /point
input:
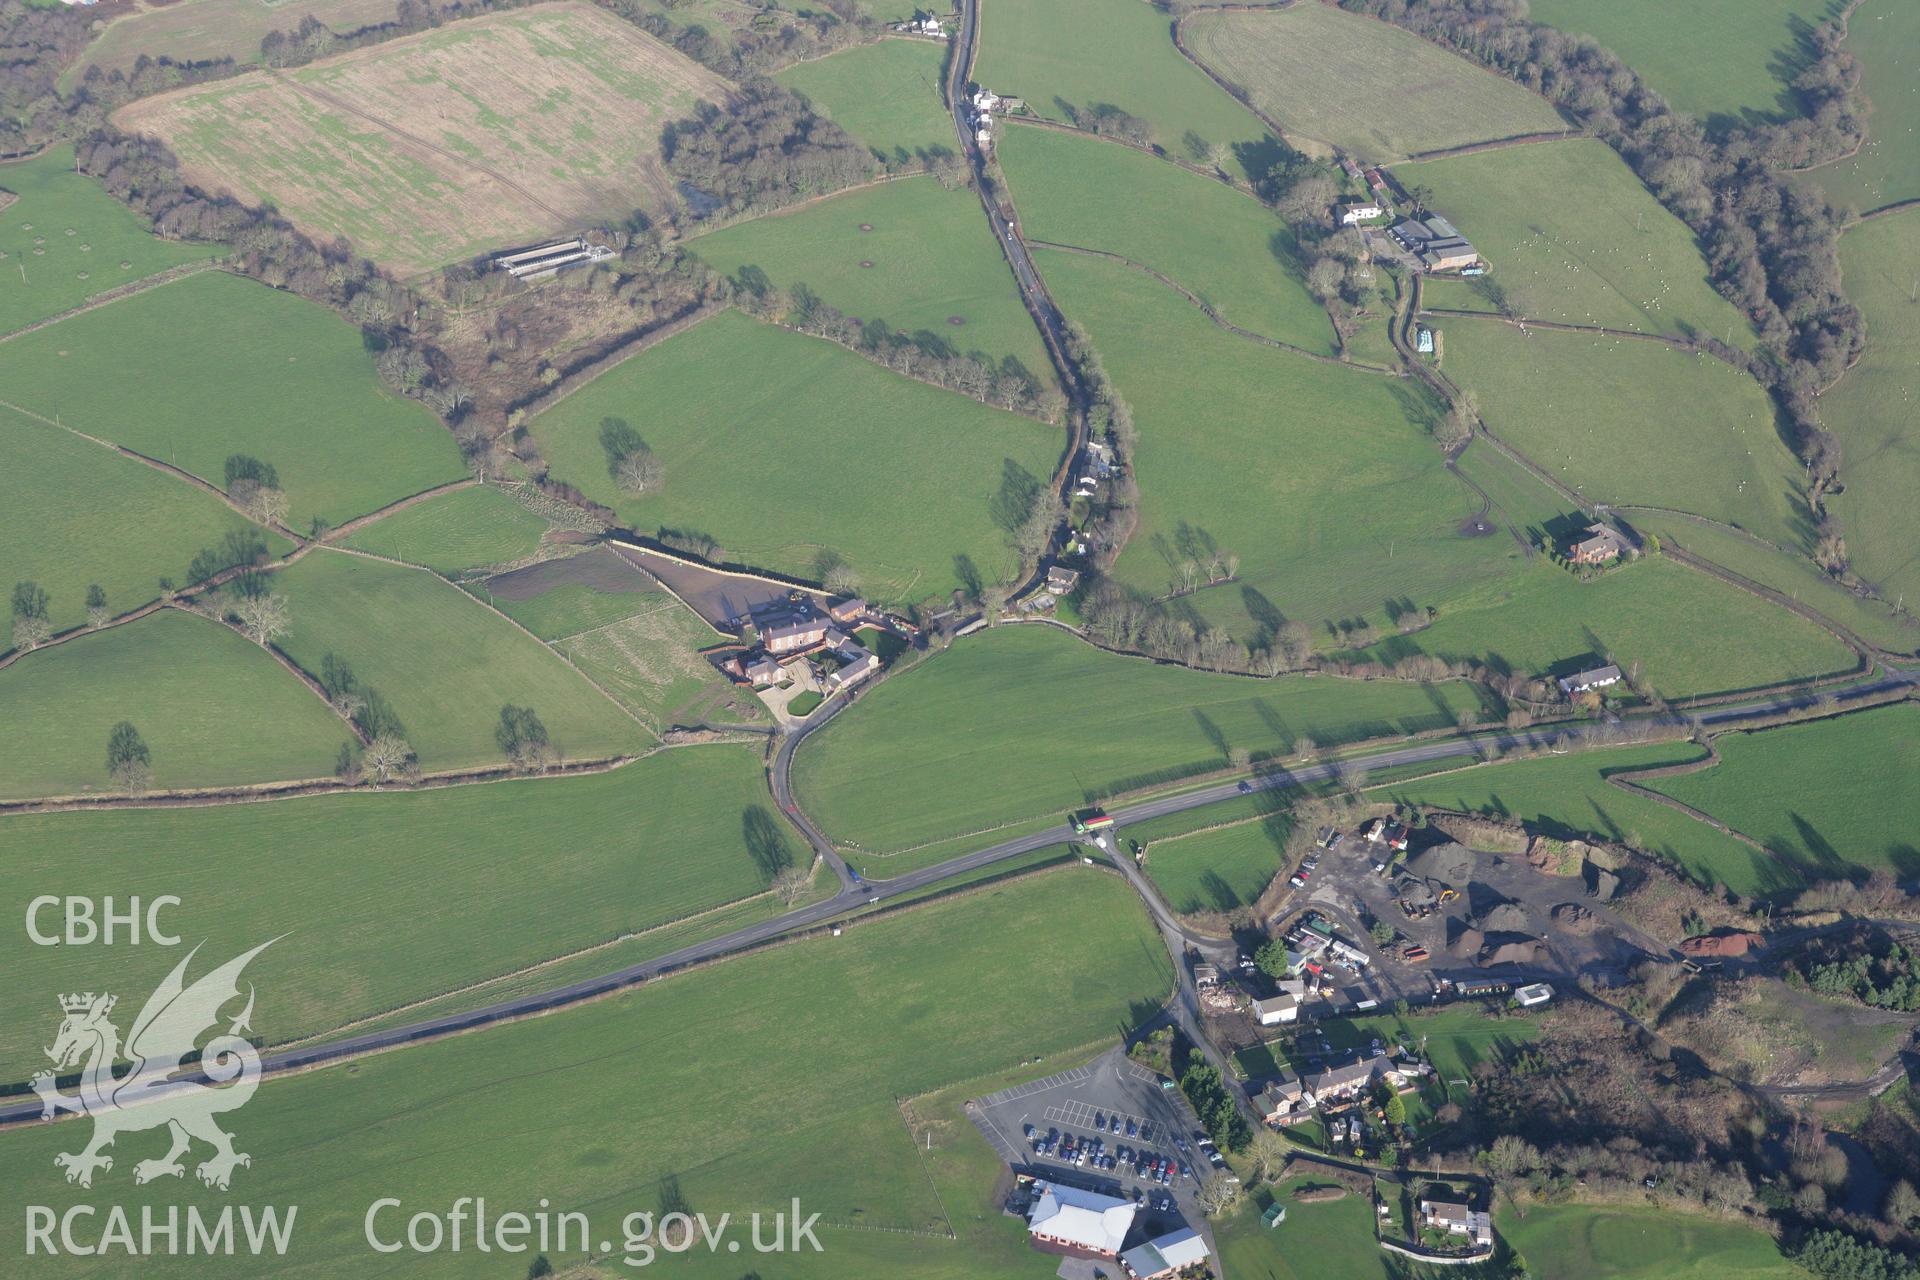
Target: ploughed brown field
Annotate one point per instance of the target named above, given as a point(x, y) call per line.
point(429, 149)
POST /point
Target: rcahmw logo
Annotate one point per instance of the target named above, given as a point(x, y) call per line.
point(157, 1091)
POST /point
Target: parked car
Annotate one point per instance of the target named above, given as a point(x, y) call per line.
point(1113, 1124)
point(1245, 787)
point(1133, 1130)
point(1027, 1131)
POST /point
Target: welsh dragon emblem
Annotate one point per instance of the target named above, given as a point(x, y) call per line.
point(156, 1091)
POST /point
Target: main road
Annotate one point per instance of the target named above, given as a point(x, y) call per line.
point(855, 895)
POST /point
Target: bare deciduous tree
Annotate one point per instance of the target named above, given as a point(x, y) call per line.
point(1217, 1196)
point(639, 472)
point(791, 885)
point(388, 756)
point(264, 617)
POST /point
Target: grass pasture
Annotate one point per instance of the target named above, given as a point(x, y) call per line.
point(1872, 407)
point(202, 30)
point(1568, 797)
point(1368, 88)
point(1724, 62)
point(1790, 573)
point(1001, 728)
point(1095, 54)
point(213, 708)
point(213, 365)
point(387, 898)
point(1221, 869)
point(1573, 236)
point(562, 597)
point(885, 94)
point(929, 265)
point(820, 456)
point(1601, 1242)
point(1834, 795)
point(1220, 244)
point(1320, 1240)
point(651, 662)
point(73, 514)
point(896, 1008)
point(1885, 36)
point(64, 239)
point(1655, 612)
point(445, 663)
point(544, 119)
point(1322, 479)
point(1635, 423)
point(454, 532)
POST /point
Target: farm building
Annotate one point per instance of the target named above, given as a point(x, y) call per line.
point(1165, 1255)
point(1599, 546)
point(1082, 1224)
point(542, 261)
point(846, 609)
point(1587, 681)
point(1435, 242)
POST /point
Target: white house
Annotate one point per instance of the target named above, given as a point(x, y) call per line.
point(1277, 1009)
point(1358, 209)
point(1587, 681)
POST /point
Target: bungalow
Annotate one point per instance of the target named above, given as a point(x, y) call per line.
point(1083, 1224)
point(1356, 209)
point(1587, 681)
point(1062, 580)
point(1276, 1009)
point(854, 672)
point(1165, 1255)
point(1599, 546)
point(1457, 1219)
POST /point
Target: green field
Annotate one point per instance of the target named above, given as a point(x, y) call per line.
point(1884, 35)
point(1790, 573)
point(651, 662)
point(1835, 796)
point(1871, 408)
point(1320, 1240)
point(213, 709)
point(1374, 90)
point(1095, 54)
point(1221, 869)
point(1322, 479)
point(389, 898)
point(1220, 244)
point(214, 365)
point(1023, 721)
point(895, 1008)
point(1595, 1242)
point(73, 513)
point(201, 30)
point(1630, 422)
point(1568, 796)
point(886, 95)
point(932, 256)
point(589, 589)
point(1655, 612)
point(819, 456)
point(454, 532)
point(65, 240)
point(444, 662)
point(1724, 62)
point(1573, 236)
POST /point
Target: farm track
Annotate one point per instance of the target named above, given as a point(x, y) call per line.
point(358, 523)
point(1562, 326)
point(1208, 311)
